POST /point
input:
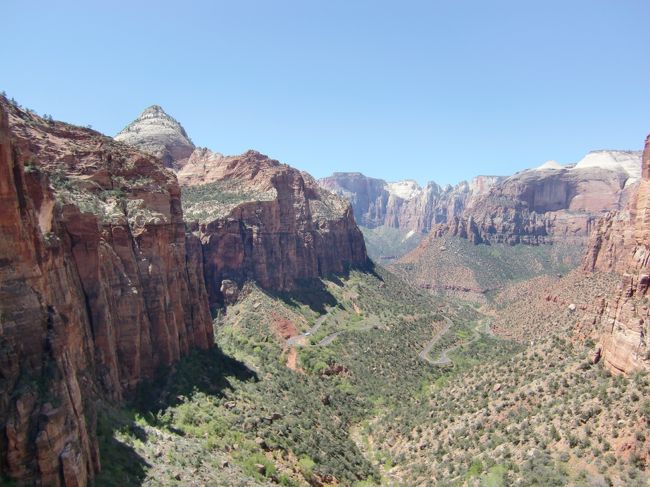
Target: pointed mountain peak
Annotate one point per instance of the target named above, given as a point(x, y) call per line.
point(156, 111)
point(160, 134)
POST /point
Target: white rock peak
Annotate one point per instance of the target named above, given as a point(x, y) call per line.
point(625, 161)
point(622, 162)
point(549, 165)
point(153, 121)
point(158, 133)
point(406, 189)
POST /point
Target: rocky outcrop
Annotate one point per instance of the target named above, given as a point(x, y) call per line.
point(532, 207)
point(404, 204)
point(621, 243)
point(159, 134)
point(545, 204)
point(256, 219)
point(265, 221)
point(368, 196)
point(99, 286)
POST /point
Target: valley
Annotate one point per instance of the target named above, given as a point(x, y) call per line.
point(385, 403)
point(200, 319)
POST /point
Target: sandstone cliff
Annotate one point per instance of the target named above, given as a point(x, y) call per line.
point(159, 134)
point(532, 207)
point(542, 205)
point(265, 221)
point(99, 286)
point(257, 219)
point(621, 243)
point(404, 204)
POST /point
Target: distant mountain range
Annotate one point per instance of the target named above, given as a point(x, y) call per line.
point(532, 206)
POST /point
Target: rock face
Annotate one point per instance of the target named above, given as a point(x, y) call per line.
point(257, 219)
point(99, 286)
point(159, 134)
point(265, 221)
point(621, 243)
point(541, 205)
point(404, 204)
point(531, 207)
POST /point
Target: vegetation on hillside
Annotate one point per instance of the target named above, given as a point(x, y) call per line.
point(207, 202)
point(454, 266)
point(351, 402)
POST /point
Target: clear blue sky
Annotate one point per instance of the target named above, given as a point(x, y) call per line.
point(439, 90)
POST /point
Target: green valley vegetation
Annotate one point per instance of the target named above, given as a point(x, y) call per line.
point(351, 401)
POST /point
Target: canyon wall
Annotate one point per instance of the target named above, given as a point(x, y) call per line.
point(542, 205)
point(99, 286)
point(534, 206)
point(256, 219)
point(404, 204)
point(621, 243)
point(265, 221)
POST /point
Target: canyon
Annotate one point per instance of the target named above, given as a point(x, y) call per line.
point(257, 219)
point(103, 281)
point(146, 263)
point(100, 287)
point(593, 211)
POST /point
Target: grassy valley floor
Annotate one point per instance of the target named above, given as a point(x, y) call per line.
point(328, 386)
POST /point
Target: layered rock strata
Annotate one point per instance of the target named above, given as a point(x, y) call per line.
point(542, 205)
point(257, 219)
point(621, 243)
point(265, 221)
point(404, 204)
point(99, 287)
point(532, 207)
point(159, 134)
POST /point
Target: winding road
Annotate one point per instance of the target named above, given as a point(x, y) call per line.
point(424, 354)
point(444, 359)
point(298, 340)
point(302, 339)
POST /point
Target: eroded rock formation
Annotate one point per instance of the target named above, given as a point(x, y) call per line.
point(159, 134)
point(621, 243)
point(258, 219)
point(265, 221)
point(404, 204)
point(540, 205)
point(531, 207)
point(99, 286)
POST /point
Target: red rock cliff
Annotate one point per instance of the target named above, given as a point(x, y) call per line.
point(266, 221)
point(621, 243)
point(99, 286)
point(542, 205)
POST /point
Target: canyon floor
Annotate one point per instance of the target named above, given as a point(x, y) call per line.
point(372, 379)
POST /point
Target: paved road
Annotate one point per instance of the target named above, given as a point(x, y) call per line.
point(444, 359)
point(424, 354)
point(330, 338)
point(299, 340)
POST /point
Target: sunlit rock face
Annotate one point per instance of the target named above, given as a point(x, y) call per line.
point(404, 204)
point(621, 243)
point(265, 221)
point(257, 219)
point(531, 207)
point(159, 134)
